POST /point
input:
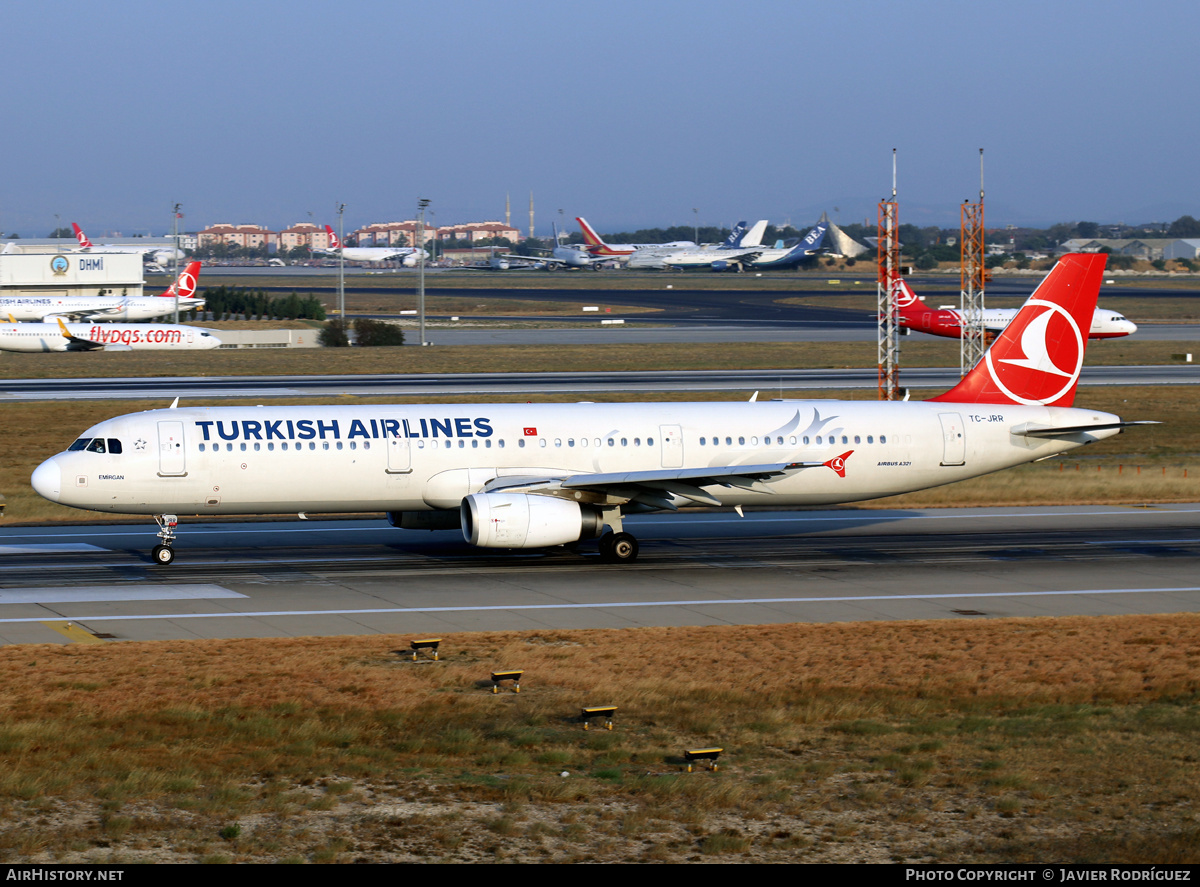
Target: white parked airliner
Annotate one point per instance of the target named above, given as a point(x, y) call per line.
point(368, 253)
point(59, 336)
point(106, 308)
point(535, 475)
point(160, 254)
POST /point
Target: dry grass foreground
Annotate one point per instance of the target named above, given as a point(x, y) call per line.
point(1064, 740)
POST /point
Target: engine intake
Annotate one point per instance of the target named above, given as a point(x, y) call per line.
point(518, 520)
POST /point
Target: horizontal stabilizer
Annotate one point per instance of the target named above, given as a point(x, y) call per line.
point(1035, 429)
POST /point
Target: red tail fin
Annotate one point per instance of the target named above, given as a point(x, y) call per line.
point(590, 237)
point(185, 285)
point(334, 243)
point(1038, 357)
point(81, 237)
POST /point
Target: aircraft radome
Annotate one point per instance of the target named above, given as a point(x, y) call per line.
point(534, 475)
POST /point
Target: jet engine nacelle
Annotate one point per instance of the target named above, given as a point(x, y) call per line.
point(116, 347)
point(517, 520)
point(720, 265)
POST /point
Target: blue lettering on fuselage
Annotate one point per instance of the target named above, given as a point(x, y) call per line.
point(308, 429)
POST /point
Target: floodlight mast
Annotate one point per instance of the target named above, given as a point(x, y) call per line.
point(175, 255)
point(973, 276)
point(888, 258)
point(422, 205)
point(341, 214)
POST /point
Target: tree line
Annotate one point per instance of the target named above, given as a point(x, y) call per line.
point(239, 303)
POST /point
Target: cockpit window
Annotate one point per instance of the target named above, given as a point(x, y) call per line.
point(79, 444)
point(96, 446)
point(114, 446)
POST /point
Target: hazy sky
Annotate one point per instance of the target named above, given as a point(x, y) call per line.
point(631, 114)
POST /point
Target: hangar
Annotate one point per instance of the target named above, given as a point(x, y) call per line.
point(70, 274)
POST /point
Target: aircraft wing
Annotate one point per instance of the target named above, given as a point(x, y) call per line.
point(77, 343)
point(655, 487)
point(93, 314)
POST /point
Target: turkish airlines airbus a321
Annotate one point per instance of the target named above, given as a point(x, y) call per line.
point(947, 322)
point(536, 475)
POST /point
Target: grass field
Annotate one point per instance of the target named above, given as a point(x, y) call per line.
point(1067, 740)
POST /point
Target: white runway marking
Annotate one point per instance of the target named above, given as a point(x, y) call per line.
point(688, 520)
point(618, 605)
point(48, 547)
point(114, 593)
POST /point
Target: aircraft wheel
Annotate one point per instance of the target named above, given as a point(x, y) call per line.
point(619, 548)
point(163, 555)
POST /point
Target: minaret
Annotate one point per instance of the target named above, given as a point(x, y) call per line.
point(531, 215)
point(507, 212)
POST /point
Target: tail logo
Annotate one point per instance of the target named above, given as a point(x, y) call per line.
point(186, 285)
point(1047, 355)
point(904, 295)
point(838, 463)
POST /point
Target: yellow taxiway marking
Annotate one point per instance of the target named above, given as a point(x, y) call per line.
point(74, 633)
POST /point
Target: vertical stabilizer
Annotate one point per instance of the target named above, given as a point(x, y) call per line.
point(1038, 357)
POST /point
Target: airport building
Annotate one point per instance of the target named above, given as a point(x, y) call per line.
point(405, 233)
point(71, 274)
point(252, 236)
point(303, 234)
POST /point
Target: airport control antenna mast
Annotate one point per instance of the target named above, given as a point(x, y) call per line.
point(422, 205)
point(974, 338)
point(341, 214)
point(888, 255)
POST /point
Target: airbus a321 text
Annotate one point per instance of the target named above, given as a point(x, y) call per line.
point(520, 476)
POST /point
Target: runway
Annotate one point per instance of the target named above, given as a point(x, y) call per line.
point(771, 383)
point(281, 579)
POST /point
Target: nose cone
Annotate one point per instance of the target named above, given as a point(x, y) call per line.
point(1129, 327)
point(47, 480)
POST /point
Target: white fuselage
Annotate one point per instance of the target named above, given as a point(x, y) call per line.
point(1105, 324)
point(373, 253)
point(94, 308)
point(35, 337)
point(256, 460)
point(160, 254)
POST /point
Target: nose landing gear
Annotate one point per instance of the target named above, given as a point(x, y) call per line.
point(163, 553)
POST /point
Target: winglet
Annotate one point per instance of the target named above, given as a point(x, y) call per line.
point(174, 404)
point(62, 326)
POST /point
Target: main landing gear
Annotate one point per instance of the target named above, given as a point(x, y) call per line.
point(163, 553)
point(618, 548)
